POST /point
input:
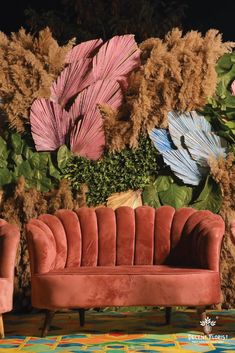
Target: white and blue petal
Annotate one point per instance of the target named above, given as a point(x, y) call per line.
point(182, 123)
point(183, 166)
point(161, 140)
point(203, 145)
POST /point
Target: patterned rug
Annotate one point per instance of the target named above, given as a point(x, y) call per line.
point(115, 332)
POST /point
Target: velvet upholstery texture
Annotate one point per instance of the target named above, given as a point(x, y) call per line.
point(9, 240)
point(146, 256)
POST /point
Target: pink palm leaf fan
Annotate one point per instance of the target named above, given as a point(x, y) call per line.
point(113, 62)
point(49, 124)
point(75, 77)
point(87, 136)
point(93, 80)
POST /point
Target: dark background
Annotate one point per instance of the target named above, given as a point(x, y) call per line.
point(199, 15)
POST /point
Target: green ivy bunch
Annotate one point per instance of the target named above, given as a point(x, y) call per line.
point(115, 172)
point(41, 170)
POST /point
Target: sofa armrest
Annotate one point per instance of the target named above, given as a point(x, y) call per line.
point(9, 240)
point(200, 244)
point(205, 243)
point(41, 246)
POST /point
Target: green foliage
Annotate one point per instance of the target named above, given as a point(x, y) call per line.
point(164, 191)
point(150, 196)
point(115, 172)
point(220, 109)
point(210, 197)
point(18, 159)
point(177, 196)
point(63, 156)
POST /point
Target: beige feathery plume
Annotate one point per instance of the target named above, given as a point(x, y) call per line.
point(177, 73)
point(28, 65)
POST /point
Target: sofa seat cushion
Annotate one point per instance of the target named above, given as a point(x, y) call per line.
point(103, 286)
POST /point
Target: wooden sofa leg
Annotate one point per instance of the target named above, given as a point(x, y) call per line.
point(1, 327)
point(168, 311)
point(47, 322)
point(82, 317)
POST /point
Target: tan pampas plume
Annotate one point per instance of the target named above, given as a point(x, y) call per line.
point(28, 65)
point(61, 197)
point(223, 171)
point(177, 73)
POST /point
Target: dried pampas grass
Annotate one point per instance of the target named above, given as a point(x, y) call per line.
point(223, 171)
point(177, 73)
point(27, 67)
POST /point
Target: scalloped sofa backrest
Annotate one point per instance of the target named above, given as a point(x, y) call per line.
point(104, 237)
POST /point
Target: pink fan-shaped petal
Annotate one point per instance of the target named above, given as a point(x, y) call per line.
point(233, 88)
point(114, 61)
point(49, 124)
point(83, 50)
point(72, 80)
point(88, 141)
point(116, 58)
point(87, 136)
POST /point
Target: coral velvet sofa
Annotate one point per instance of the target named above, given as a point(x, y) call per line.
point(9, 240)
point(99, 258)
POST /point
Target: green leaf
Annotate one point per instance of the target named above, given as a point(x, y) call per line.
point(163, 183)
point(35, 160)
point(37, 174)
point(3, 163)
point(210, 198)
point(43, 158)
point(53, 171)
point(63, 156)
point(44, 184)
point(17, 158)
point(224, 63)
point(24, 169)
point(230, 124)
point(229, 101)
point(17, 143)
point(27, 152)
point(150, 196)
point(176, 196)
point(3, 153)
point(5, 176)
point(39, 160)
point(3, 148)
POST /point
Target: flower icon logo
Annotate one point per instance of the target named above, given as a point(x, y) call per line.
point(208, 323)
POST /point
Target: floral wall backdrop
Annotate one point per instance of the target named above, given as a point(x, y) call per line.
point(112, 122)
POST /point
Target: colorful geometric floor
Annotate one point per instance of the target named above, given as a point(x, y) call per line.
point(115, 332)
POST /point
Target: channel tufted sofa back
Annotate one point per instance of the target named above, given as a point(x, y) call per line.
point(144, 236)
